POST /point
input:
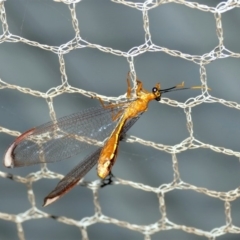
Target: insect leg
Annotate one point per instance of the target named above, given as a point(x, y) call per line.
point(108, 180)
point(128, 86)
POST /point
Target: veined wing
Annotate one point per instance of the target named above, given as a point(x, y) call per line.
point(79, 171)
point(64, 138)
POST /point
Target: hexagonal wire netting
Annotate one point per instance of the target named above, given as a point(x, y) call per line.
point(177, 177)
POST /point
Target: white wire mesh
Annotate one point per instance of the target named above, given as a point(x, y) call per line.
point(224, 198)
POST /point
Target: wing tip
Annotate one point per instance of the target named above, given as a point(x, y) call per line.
point(47, 200)
point(8, 160)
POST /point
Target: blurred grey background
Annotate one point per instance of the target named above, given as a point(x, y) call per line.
point(173, 26)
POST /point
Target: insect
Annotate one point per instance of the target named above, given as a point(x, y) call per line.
point(70, 135)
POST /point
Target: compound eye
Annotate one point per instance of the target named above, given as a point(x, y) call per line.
point(158, 98)
point(154, 90)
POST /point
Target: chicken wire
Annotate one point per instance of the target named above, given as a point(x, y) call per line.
point(102, 38)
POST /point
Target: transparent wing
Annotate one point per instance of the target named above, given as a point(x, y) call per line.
point(78, 172)
point(68, 136)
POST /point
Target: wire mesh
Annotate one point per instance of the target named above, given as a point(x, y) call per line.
point(51, 52)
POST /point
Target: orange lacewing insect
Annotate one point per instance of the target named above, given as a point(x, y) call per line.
point(70, 135)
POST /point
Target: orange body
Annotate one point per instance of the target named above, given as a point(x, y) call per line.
point(109, 152)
